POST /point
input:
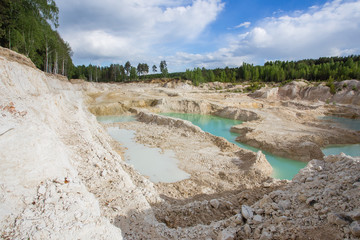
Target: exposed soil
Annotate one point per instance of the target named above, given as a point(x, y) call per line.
point(288, 128)
point(63, 177)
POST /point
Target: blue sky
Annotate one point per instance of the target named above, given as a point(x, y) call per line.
point(208, 33)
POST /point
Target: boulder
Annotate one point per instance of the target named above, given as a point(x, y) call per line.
point(247, 229)
point(257, 219)
point(247, 212)
point(226, 234)
point(262, 164)
point(214, 203)
point(355, 228)
point(266, 236)
point(337, 219)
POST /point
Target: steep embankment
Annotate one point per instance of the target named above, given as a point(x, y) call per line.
point(55, 162)
point(346, 92)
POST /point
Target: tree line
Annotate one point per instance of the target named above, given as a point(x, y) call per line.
point(119, 73)
point(322, 69)
point(26, 26)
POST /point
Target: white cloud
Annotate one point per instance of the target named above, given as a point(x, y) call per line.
point(102, 44)
point(153, 30)
point(221, 58)
point(311, 34)
point(132, 30)
point(327, 30)
point(244, 24)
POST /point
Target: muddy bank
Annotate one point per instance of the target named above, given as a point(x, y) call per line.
point(222, 176)
point(294, 134)
point(215, 165)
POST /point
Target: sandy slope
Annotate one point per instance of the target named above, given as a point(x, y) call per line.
point(42, 195)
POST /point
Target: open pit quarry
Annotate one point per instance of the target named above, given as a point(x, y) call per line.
point(64, 177)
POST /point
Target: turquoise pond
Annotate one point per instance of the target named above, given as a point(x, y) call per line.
point(351, 150)
point(158, 165)
point(352, 124)
point(284, 168)
point(145, 158)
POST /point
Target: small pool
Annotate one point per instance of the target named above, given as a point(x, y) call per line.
point(352, 124)
point(283, 168)
point(349, 149)
point(158, 165)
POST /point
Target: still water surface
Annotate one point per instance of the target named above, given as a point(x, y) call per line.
point(152, 162)
point(349, 149)
point(284, 168)
point(353, 124)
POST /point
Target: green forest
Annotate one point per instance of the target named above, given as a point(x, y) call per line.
point(322, 69)
point(30, 27)
point(27, 27)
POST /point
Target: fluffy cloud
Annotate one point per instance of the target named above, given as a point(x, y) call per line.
point(327, 30)
point(136, 30)
point(152, 30)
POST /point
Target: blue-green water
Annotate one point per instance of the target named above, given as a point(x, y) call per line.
point(352, 124)
point(159, 166)
point(284, 168)
point(351, 150)
point(348, 149)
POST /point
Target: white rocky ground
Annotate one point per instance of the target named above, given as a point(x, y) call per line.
point(62, 178)
point(284, 122)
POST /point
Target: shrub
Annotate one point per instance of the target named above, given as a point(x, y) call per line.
point(331, 85)
point(254, 86)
